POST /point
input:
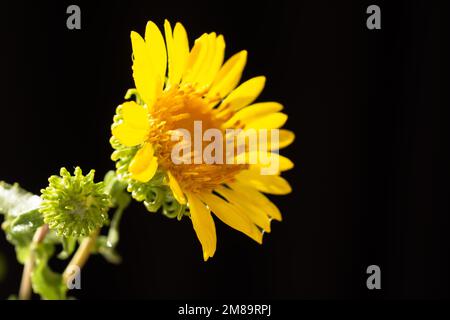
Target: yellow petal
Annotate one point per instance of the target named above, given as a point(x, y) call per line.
point(231, 216)
point(181, 48)
point(270, 121)
point(177, 51)
point(260, 159)
point(196, 59)
point(145, 76)
point(261, 200)
point(170, 53)
point(228, 76)
point(142, 158)
point(129, 136)
point(203, 224)
point(205, 60)
point(285, 138)
point(212, 61)
point(255, 213)
point(144, 164)
point(176, 189)
point(284, 164)
point(201, 74)
point(272, 184)
point(157, 50)
point(216, 61)
point(253, 112)
point(245, 94)
point(135, 116)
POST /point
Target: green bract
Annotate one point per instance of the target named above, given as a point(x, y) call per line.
point(74, 205)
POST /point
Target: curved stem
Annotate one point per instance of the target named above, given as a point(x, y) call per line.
point(25, 284)
point(81, 256)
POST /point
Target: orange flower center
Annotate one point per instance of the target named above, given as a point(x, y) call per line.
point(180, 108)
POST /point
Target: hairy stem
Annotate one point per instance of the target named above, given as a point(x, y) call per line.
point(80, 257)
point(25, 285)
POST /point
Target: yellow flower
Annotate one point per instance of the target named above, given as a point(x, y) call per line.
point(177, 86)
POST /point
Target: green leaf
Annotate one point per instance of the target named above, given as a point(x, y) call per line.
point(47, 283)
point(22, 253)
point(22, 217)
point(14, 200)
point(21, 229)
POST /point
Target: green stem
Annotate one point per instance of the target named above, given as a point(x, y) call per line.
point(81, 255)
point(113, 233)
point(25, 285)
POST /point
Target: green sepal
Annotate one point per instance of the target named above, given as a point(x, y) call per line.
point(133, 92)
point(171, 208)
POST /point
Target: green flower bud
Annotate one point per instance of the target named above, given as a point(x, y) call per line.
point(74, 205)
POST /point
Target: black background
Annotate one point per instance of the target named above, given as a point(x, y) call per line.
point(369, 108)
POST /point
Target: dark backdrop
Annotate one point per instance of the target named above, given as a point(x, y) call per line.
point(368, 108)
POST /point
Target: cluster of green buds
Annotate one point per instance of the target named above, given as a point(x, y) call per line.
point(74, 205)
